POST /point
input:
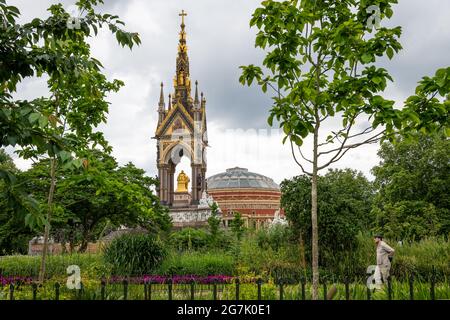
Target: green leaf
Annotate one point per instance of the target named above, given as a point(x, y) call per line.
point(43, 121)
point(270, 120)
point(390, 52)
point(366, 58)
point(64, 155)
point(447, 132)
point(34, 117)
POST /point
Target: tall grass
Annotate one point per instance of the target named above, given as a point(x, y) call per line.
point(28, 266)
point(197, 263)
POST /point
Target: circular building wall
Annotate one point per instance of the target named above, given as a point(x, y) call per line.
point(255, 196)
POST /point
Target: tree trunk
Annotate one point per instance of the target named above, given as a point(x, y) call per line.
point(302, 252)
point(315, 234)
point(49, 215)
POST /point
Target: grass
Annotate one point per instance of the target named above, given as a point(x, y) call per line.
point(197, 263)
point(56, 266)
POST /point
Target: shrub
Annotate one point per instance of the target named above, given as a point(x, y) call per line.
point(134, 254)
point(275, 237)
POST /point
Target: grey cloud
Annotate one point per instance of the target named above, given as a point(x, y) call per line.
point(219, 41)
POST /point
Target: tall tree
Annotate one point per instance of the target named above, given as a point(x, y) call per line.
point(320, 62)
point(62, 125)
point(413, 182)
point(344, 203)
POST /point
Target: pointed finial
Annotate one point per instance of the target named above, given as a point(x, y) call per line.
point(161, 96)
point(182, 15)
point(196, 101)
point(170, 101)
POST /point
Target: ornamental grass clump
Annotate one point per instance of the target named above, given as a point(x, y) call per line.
point(134, 254)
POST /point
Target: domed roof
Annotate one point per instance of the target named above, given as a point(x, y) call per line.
point(240, 178)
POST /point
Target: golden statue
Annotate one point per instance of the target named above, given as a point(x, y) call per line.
point(183, 182)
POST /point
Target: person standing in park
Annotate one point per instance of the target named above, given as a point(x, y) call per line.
point(384, 257)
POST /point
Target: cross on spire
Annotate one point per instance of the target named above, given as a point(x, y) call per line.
point(182, 15)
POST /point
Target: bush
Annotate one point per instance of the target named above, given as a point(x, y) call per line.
point(275, 237)
point(134, 254)
point(197, 263)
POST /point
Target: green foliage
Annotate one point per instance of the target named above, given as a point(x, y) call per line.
point(258, 256)
point(237, 225)
point(134, 254)
point(214, 225)
point(413, 182)
point(344, 200)
point(62, 125)
point(190, 239)
point(15, 204)
point(197, 263)
point(275, 237)
point(122, 197)
point(91, 265)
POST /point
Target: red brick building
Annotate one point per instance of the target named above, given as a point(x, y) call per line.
point(255, 196)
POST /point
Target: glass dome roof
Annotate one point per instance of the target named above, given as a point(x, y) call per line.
point(240, 178)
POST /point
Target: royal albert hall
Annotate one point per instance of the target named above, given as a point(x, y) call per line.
point(254, 196)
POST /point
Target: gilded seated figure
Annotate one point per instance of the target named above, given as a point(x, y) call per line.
point(183, 182)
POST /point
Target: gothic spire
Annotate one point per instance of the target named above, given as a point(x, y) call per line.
point(182, 81)
point(161, 98)
point(196, 101)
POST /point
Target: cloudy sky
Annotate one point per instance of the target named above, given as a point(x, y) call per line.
point(219, 41)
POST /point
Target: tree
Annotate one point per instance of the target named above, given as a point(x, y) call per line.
point(14, 205)
point(214, 224)
point(60, 126)
point(237, 225)
point(344, 203)
point(103, 194)
point(320, 63)
point(413, 180)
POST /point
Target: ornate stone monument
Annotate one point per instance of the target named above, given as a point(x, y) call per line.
point(181, 131)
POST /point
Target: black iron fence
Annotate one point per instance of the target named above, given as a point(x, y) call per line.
point(232, 290)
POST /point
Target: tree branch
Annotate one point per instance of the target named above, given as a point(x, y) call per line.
point(295, 159)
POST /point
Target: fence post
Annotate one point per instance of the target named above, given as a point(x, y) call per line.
point(102, 290)
point(389, 283)
point(34, 287)
point(368, 294)
point(347, 288)
point(80, 291)
point(145, 290)
point(237, 288)
point(11, 291)
point(214, 291)
point(303, 284)
point(57, 286)
point(324, 290)
point(125, 289)
point(281, 290)
point(169, 287)
point(411, 287)
point(432, 291)
point(259, 283)
point(192, 290)
point(150, 290)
